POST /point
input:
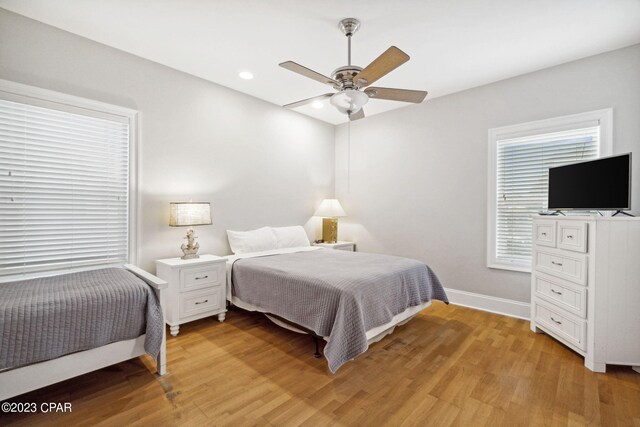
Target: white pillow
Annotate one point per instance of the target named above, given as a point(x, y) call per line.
point(261, 239)
point(291, 237)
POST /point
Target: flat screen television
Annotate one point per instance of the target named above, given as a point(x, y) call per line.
point(601, 184)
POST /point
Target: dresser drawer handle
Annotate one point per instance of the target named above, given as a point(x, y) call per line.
point(201, 302)
point(556, 292)
point(202, 277)
point(569, 236)
point(544, 234)
point(557, 321)
point(556, 263)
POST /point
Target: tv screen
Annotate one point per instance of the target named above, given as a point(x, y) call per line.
point(597, 184)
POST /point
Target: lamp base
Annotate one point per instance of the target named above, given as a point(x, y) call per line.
point(190, 249)
point(330, 230)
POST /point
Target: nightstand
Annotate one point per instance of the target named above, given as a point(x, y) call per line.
point(196, 289)
point(342, 246)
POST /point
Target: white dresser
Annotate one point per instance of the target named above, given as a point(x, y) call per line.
point(196, 289)
point(585, 286)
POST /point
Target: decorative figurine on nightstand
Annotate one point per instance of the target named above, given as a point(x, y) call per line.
point(190, 249)
point(190, 214)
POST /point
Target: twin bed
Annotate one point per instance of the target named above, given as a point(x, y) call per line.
point(59, 327)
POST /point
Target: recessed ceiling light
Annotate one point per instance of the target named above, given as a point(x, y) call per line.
point(245, 75)
point(317, 104)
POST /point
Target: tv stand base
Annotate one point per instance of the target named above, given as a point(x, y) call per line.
point(555, 213)
point(623, 213)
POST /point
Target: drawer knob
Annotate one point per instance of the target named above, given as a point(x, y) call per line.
point(557, 321)
point(556, 263)
point(544, 234)
point(556, 292)
point(201, 302)
point(569, 236)
point(202, 277)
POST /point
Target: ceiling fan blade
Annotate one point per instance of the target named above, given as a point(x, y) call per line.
point(404, 95)
point(391, 59)
point(297, 68)
point(309, 100)
point(357, 116)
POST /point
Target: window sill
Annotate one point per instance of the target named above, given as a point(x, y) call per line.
point(520, 268)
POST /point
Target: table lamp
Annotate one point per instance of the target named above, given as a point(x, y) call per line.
point(189, 214)
point(331, 210)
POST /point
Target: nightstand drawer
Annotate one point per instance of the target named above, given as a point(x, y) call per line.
point(202, 301)
point(572, 267)
point(348, 248)
point(564, 325)
point(341, 246)
point(200, 277)
point(566, 295)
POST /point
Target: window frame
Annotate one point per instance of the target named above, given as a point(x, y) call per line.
point(538, 127)
point(33, 95)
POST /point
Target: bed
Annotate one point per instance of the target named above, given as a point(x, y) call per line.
point(59, 327)
point(350, 299)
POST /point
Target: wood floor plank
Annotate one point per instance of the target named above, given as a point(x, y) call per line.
point(448, 366)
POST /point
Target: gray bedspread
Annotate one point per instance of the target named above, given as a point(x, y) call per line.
point(336, 294)
point(45, 318)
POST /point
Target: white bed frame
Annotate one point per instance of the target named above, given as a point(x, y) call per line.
point(31, 377)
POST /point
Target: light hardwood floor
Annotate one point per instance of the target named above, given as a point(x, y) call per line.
point(448, 366)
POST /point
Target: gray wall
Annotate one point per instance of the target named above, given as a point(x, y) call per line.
point(418, 180)
point(257, 163)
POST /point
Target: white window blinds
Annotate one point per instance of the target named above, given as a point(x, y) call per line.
point(522, 183)
point(64, 189)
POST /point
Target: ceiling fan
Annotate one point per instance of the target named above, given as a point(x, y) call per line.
point(352, 82)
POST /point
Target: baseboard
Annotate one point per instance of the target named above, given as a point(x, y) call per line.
point(511, 308)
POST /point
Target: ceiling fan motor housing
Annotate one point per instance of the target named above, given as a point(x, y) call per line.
point(344, 76)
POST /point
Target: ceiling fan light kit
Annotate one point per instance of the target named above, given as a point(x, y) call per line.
point(352, 82)
point(349, 101)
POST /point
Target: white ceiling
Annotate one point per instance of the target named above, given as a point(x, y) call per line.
point(453, 44)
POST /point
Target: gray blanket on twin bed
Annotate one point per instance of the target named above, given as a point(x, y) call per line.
point(45, 318)
point(336, 294)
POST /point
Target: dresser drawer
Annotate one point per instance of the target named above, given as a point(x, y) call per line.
point(572, 236)
point(572, 267)
point(202, 301)
point(544, 233)
point(566, 295)
point(561, 323)
point(201, 277)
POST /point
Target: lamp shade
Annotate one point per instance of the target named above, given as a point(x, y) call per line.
point(330, 207)
point(189, 213)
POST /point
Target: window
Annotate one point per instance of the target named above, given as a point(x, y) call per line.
point(65, 182)
point(519, 161)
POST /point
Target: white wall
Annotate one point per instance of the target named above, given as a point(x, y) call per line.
point(257, 163)
point(418, 180)
point(418, 175)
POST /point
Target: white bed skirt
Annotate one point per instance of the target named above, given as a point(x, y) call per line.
point(373, 335)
